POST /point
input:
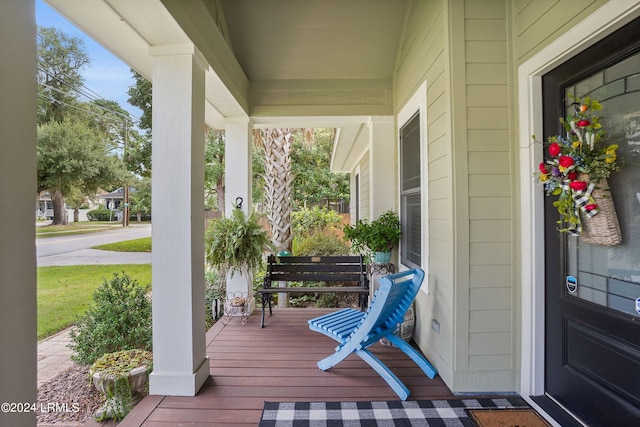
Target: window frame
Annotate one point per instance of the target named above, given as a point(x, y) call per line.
point(416, 105)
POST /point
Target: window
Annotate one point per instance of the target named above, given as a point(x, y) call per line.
point(410, 193)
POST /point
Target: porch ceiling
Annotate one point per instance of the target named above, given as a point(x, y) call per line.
point(333, 58)
point(315, 39)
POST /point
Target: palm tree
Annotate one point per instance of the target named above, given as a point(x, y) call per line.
point(278, 183)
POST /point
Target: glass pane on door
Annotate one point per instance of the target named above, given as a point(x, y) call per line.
point(610, 276)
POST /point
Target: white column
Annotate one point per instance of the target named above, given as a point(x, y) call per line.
point(180, 365)
point(383, 184)
point(237, 172)
point(18, 365)
point(237, 175)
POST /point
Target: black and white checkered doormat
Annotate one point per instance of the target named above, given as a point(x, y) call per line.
point(438, 413)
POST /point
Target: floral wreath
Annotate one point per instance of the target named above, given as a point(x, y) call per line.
point(577, 162)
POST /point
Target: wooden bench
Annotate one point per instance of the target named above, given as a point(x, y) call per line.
point(328, 269)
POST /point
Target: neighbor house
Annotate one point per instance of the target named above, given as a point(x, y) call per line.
point(435, 102)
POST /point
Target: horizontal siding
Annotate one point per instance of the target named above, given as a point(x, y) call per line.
point(538, 23)
point(487, 95)
point(490, 343)
point(490, 208)
point(365, 187)
point(438, 230)
point(496, 230)
point(490, 299)
point(494, 253)
point(490, 276)
point(488, 140)
point(439, 189)
point(490, 321)
point(492, 163)
point(485, 29)
point(490, 328)
point(491, 362)
point(490, 185)
point(486, 73)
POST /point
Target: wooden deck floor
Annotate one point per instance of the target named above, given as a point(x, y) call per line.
point(250, 365)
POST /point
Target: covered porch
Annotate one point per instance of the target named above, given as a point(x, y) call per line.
point(250, 365)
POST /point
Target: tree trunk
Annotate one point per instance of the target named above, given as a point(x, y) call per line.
point(220, 195)
point(59, 213)
point(278, 185)
point(76, 215)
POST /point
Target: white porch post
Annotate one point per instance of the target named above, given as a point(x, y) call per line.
point(18, 365)
point(237, 172)
point(381, 166)
point(180, 365)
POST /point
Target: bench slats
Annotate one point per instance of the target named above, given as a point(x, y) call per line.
point(315, 277)
point(314, 289)
point(346, 268)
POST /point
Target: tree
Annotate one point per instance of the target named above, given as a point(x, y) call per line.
point(138, 157)
point(313, 181)
point(71, 157)
point(214, 168)
point(60, 59)
point(278, 184)
point(141, 199)
point(140, 95)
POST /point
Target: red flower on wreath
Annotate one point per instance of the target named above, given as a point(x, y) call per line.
point(591, 207)
point(578, 185)
point(572, 175)
point(583, 123)
point(543, 169)
point(565, 161)
point(554, 149)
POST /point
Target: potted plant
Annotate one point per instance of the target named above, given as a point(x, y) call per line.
point(119, 376)
point(378, 237)
point(235, 248)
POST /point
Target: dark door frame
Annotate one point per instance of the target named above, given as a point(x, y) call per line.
point(585, 33)
point(609, 50)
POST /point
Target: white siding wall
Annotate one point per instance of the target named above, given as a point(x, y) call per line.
point(462, 50)
point(422, 58)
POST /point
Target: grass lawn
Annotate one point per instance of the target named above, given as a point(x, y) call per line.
point(136, 245)
point(65, 293)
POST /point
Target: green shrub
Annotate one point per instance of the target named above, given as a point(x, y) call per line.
point(101, 215)
point(119, 320)
point(320, 244)
point(309, 221)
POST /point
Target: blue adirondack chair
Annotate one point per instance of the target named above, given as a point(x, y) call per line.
point(356, 331)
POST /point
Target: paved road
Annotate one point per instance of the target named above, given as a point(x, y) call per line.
point(75, 249)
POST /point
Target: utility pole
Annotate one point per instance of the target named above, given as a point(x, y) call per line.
point(125, 218)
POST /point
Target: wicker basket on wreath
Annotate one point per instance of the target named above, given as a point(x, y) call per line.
point(602, 229)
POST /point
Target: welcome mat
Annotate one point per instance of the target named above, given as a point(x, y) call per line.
point(507, 418)
point(435, 413)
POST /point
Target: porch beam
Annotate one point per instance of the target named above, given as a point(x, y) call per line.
point(180, 363)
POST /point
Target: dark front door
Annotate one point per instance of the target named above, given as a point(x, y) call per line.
point(592, 344)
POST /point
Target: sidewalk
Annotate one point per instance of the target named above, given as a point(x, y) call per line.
point(53, 356)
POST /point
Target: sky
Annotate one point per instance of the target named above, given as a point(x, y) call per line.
point(106, 75)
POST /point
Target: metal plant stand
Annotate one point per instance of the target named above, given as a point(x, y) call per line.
point(237, 304)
